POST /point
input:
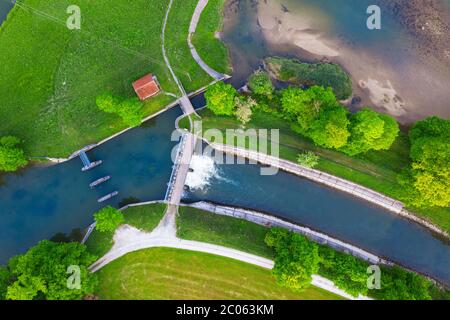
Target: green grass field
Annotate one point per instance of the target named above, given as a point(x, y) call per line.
point(51, 75)
point(162, 273)
point(199, 225)
point(376, 169)
point(145, 218)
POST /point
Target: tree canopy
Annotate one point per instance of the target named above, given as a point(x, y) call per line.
point(220, 99)
point(11, 156)
point(43, 272)
point(370, 130)
point(130, 110)
point(108, 219)
point(243, 110)
point(428, 178)
point(261, 84)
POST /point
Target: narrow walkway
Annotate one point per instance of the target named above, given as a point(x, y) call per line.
point(192, 28)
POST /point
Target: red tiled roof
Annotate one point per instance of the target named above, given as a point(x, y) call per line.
point(146, 87)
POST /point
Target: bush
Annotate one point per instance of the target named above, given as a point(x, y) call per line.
point(244, 109)
point(296, 258)
point(11, 157)
point(42, 272)
point(108, 219)
point(321, 74)
point(220, 99)
point(308, 159)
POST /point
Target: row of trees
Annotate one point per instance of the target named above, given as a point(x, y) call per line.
point(130, 110)
point(12, 157)
point(297, 259)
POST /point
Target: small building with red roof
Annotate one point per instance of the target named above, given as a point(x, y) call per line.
point(146, 87)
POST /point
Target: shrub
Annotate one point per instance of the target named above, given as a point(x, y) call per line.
point(296, 258)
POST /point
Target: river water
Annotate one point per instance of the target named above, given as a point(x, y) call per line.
point(5, 7)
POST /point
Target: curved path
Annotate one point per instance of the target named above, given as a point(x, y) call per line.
point(128, 239)
point(192, 28)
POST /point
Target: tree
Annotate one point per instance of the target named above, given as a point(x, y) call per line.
point(308, 159)
point(11, 156)
point(130, 110)
point(330, 129)
point(41, 273)
point(261, 84)
point(428, 178)
point(243, 110)
point(220, 99)
point(370, 131)
point(108, 219)
point(304, 106)
point(296, 258)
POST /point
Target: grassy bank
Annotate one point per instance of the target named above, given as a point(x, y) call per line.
point(145, 218)
point(51, 75)
point(199, 225)
point(162, 273)
point(376, 170)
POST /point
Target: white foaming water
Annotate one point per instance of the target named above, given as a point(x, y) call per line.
point(204, 169)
